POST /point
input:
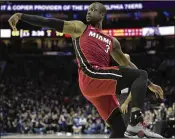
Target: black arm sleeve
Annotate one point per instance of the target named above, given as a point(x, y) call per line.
point(52, 23)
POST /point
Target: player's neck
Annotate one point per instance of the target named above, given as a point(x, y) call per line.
point(98, 25)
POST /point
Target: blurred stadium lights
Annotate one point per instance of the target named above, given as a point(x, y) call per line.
point(75, 16)
point(48, 15)
point(136, 15)
point(167, 14)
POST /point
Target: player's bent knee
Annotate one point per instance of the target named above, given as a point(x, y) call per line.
point(144, 73)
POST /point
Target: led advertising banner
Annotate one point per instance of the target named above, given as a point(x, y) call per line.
point(127, 32)
point(83, 7)
point(57, 7)
point(158, 31)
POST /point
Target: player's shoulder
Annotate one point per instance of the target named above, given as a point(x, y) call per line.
point(79, 24)
point(116, 43)
point(80, 27)
point(115, 40)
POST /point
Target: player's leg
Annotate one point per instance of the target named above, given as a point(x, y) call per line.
point(101, 93)
point(96, 85)
point(127, 77)
point(137, 80)
point(117, 124)
point(108, 108)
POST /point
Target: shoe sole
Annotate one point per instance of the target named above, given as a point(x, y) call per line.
point(135, 135)
point(127, 135)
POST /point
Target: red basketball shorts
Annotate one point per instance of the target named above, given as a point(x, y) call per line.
point(99, 87)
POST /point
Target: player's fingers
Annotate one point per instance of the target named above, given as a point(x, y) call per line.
point(14, 28)
point(10, 23)
point(161, 89)
point(156, 95)
point(122, 111)
point(126, 110)
point(161, 96)
point(160, 92)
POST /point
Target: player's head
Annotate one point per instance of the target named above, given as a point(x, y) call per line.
point(96, 13)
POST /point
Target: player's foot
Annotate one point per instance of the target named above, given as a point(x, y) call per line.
point(140, 131)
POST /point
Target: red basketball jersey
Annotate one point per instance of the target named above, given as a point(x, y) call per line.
point(93, 48)
point(97, 80)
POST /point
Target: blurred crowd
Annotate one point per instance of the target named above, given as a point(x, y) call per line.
point(162, 112)
point(29, 106)
point(161, 119)
point(32, 106)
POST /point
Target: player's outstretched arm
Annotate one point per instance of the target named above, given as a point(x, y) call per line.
point(119, 56)
point(122, 60)
point(74, 28)
point(124, 106)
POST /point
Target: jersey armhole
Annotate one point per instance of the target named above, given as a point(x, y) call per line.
point(87, 26)
point(112, 43)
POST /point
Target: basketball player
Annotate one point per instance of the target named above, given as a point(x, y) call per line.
point(97, 80)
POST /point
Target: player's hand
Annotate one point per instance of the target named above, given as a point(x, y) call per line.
point(124, 108)
point(157, 90)
point(14, 20)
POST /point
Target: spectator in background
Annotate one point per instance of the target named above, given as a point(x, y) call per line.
point(90, 127)
point(69, 121)
point(106, 129)
point(77, 128)
point(54, 122)
point(39, 126)
point(162, 111)
point(148, 118)
point(99, 126)
point(62, 123)
point(170, 114)
point(83, 122)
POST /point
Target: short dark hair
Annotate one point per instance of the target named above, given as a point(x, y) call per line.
point(102, 7)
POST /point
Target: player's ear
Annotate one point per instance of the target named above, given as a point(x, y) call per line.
point(102, 15)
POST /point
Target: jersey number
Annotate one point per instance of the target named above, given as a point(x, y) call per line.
point(107, 48)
